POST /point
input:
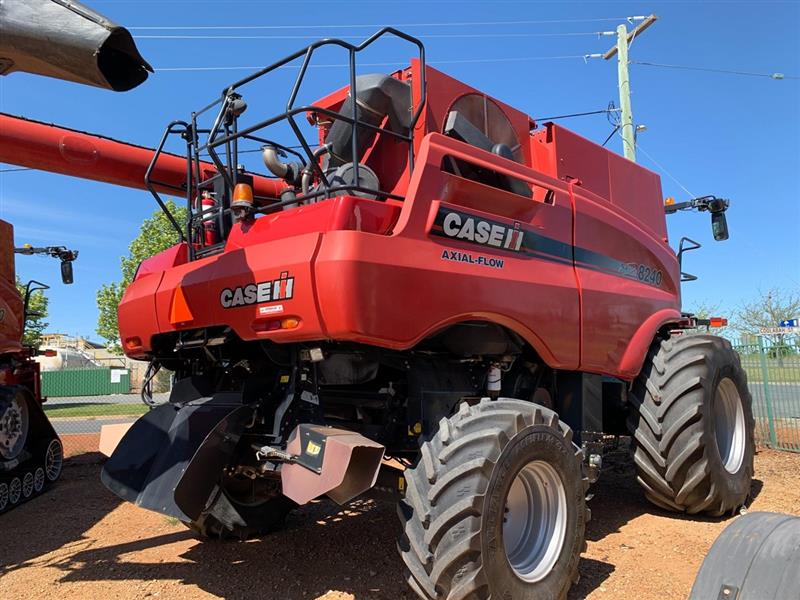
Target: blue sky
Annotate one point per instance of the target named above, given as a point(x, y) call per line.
point(733, 136)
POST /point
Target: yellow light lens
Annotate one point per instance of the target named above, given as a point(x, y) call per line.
point(289, 323)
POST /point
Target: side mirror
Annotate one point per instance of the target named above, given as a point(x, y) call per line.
point(719, 226)
point(66, 271)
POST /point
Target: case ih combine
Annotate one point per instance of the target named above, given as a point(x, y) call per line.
point(435, 279)
point(30, 450)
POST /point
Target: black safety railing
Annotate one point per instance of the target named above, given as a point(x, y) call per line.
point(223, 138)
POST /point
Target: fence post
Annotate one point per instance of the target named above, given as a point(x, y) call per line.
point(773, 439)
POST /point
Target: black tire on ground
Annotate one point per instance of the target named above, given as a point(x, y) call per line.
point(456, 502)
point(243, 508)
point(757, 557)
point(692, 426)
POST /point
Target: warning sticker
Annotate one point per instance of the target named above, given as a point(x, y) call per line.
point(270, 310)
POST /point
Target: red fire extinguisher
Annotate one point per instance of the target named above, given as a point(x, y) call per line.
point(207, 204)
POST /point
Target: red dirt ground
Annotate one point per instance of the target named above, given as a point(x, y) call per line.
point(80, 542)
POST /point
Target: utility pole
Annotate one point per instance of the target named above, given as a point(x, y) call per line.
point(620, 50)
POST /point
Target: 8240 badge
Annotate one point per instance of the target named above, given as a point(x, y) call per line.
point(643, 273)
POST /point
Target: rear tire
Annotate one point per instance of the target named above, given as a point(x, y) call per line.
point(505, 460)
point(693, 426)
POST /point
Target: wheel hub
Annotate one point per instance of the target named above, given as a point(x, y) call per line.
point(729, 426)
point(53, 459)
point(38, 480)
point(535, 522)
point(13, 429)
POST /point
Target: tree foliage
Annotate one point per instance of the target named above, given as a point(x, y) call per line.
point(37, 308)
point(705, 309)
point(155, 235)
point(767, 310)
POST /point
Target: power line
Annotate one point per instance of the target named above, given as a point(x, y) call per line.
point(581, 114)
point(664, 170)
point(380, 64)
point(710, 70)
point(367, 26)
point(358, 38)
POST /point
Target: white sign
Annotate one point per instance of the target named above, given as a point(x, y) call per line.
point(778, 330)
point(116, 375)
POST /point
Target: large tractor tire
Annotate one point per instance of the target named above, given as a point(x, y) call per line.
point(242, 508)
point(693, 426)
point(495, 507)
point(757, 557)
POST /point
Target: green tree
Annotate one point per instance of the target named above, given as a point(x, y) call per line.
point(155, 235)
point(37, 308)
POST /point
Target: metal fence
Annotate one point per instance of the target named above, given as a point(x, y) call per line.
point(80, 401)
point(79, 419)
point(773, 376)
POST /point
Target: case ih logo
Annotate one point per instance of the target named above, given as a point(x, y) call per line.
point(460, 226)
point(257, 293)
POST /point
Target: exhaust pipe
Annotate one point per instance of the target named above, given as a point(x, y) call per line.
point(66, 40)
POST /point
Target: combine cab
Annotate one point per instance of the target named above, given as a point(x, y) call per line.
point(30, 450)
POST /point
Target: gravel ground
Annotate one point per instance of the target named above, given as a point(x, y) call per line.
point(79, 541)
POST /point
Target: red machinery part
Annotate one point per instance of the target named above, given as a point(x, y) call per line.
point(47, 147)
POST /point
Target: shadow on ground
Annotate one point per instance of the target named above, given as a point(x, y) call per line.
point(324, 547)
point(56, 520)
point(615, 500)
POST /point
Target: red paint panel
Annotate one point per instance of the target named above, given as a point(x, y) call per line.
point(614, 306)
point(137, 314)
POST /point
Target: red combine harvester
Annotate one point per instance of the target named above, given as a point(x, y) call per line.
point(434, 279)
point(30, 450)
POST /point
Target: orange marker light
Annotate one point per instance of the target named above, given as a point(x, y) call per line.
point(290, 323)
point(669, 201)
point(133, 342)
point(242, 196)
point(718, 322)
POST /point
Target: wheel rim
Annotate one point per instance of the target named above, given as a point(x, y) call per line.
point(14, 490)
point(27, 485)
point(38, 480)
point(729, 427)
point(3, 495)
point(13, 428)
point(53, 460)
point(535, 521)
